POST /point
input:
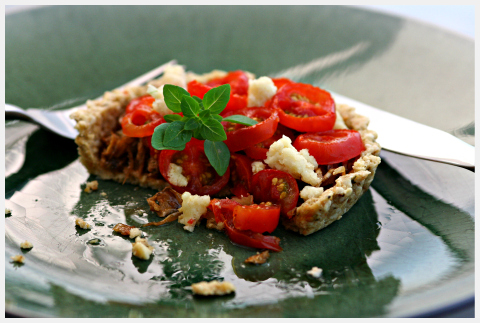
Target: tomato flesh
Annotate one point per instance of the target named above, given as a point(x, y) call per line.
point(240, 137)
point(202, 177)
point(304, 107)
point(277, 187)
point(140, 119)
point(259, 151)
point(331, 147)
point(241, 174)
point(257, 218)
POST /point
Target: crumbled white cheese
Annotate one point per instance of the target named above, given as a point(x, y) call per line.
point(82, 224)
point(339, 123)
point(159, 104)
point(193, 207)
point(141, 249)
point(18, 259)
point(309, 192)
point(315, 272)
point(8, 211)
point(175, 175)
point(257, 166)
point(91, 186)
point(213, 288)
point(26, 245)
point(260, 91)
point(301, 165)
point(135, 232)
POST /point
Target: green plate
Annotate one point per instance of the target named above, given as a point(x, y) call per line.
point(405, 249)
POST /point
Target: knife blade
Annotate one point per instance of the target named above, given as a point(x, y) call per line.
point(407, 137)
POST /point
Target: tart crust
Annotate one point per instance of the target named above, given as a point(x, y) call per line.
point(102, 117)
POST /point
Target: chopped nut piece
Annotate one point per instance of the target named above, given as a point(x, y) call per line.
point(213, 288)
point(91, 186)
point(123, 229)
point(26, 245)
point(141, 249)
point(82, 224)
point(165, 202)
point(259, 258)
point(103, 194)
point(315, 272)
point(18, 259)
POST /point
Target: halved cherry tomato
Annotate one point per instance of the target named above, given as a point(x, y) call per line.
point(141, 122)
point(257, 217)
point(240, 137)
point(259, 151)
point(238, 81)
point(202, 177)
point(142, 100)
point(277, 187)
point(304, 107)
point(281, 81)
point(240, 174)
point(223, 211)
point(330, 147)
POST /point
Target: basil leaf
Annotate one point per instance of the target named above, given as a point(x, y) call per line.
point(218, 155)
point(212, 129)
point(172, 95)
point(217, 117)
point(192, 124)
point(237, 118)
point(158, 136)
point(205, 114)
point(172, 117)
point(189, 106)
point(176, 135)
point(217, 98)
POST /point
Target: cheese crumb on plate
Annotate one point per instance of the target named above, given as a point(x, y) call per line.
point(213, 288)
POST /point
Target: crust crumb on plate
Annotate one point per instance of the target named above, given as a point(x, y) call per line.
point(213, 288)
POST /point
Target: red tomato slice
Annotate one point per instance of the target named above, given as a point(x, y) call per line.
point(202, 177)
point(240, 174)
point(277, 187)
point(238, 81)
point(240, 137)
point(330, 147)
point(304, 107)
point(141, 121)
point(258, 218)
point(281, 81)
point(142, 100)
point(223, 210)
point(259, 151)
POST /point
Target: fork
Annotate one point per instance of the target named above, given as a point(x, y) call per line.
point(59, 121)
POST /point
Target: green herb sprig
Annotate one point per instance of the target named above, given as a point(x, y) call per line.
point(201, 120)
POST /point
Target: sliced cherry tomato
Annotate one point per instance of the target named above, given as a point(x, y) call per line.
point(238, 81)
point(277, 187)
point(202, 177)
point(240, 137)
point(142, 100)
point(259, 151)
point(330, 147)
point(223, 211)
point(240, 174)
point(304, 107)
point(258, 218)
point(141, 122)
point(281, 81)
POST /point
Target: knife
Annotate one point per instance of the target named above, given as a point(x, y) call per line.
point(407, 137)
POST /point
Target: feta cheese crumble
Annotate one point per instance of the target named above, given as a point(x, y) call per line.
point(135, 232)
point(300, 164)
point(193, 207)
point(213, 288)
point(175, 175)
point(82, 224)
point(260, 91)
point(26, 245)
point(315, 272)
point(309, 192)
point(257, 166)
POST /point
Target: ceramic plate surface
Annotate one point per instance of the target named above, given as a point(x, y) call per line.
point(405, 249)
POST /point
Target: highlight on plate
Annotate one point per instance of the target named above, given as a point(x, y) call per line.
point(239, 153)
